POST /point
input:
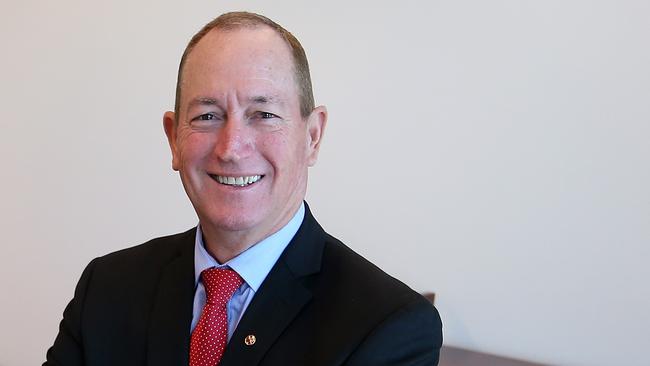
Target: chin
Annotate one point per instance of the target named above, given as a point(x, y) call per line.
point(227, 222)
point(235, 224)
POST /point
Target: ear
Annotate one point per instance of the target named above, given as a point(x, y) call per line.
point(171, 130)
point(316, 123)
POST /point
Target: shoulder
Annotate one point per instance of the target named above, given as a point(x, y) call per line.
point(371, 293)
point(141, 263)
point(380, 314)
point(347, 284)
point(151, 253)
point(368, 282)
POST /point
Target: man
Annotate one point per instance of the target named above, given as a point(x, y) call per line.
point(258, 281)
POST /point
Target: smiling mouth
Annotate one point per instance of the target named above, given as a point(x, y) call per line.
point(242, 181)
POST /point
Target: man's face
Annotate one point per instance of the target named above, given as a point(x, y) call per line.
point(240, 143)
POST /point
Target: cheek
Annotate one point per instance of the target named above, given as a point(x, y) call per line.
point(194, 148)
point(287, 152)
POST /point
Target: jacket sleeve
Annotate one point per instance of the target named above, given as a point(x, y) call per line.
point(67, 349)
point(411, 336)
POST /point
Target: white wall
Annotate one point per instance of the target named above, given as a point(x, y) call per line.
point(495, 152)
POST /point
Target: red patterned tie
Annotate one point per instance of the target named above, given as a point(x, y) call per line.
point(210, 335)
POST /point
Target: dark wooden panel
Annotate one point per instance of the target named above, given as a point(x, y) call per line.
point(454, 356)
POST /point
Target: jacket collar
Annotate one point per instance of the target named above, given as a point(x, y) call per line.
point(280, 298)
point(171, 314)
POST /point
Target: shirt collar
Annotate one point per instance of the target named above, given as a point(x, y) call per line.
point(255, 263)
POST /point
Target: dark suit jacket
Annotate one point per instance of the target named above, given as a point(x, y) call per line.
point(321, 304)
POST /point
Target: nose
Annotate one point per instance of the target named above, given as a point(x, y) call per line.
point(234, 141)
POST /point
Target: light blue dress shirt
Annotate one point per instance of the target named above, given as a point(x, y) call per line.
point(252, 265)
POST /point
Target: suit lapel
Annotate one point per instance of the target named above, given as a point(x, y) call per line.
point(171, 315)
point(280, 298)
point(274, 306)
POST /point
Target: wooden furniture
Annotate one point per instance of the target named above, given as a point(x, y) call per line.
point(454, 356)
point(430, 296)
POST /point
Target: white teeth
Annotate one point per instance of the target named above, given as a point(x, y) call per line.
point(238, 181)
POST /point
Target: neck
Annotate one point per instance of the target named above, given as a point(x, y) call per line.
point(224, 245)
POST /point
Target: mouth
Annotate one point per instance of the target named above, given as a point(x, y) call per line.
point(240, 181)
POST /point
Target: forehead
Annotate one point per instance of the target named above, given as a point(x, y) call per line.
point(241, 58)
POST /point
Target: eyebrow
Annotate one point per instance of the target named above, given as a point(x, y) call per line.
point(203, 101)
point(266, 99)
point(261, 99)
point(257, 99)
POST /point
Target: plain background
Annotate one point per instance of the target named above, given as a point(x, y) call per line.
point(495, 152)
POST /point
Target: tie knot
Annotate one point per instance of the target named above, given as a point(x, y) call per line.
point(220, 284)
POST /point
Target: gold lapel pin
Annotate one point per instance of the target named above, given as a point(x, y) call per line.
point(250, 340)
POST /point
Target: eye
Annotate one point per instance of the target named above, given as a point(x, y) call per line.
point(205, 117)
point(265, 115)
point(206, 120)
